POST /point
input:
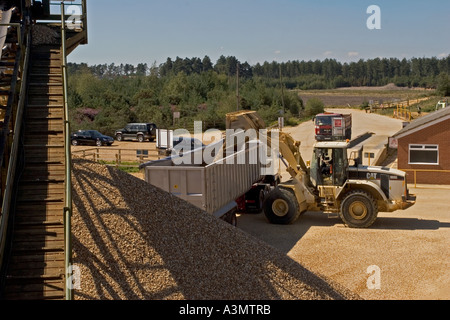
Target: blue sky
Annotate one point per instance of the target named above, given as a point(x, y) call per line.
point(147, 31)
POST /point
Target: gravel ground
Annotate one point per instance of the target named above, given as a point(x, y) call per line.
point(134, 241)
point(410, 247)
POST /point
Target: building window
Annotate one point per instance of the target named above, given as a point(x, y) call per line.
point(423, 154)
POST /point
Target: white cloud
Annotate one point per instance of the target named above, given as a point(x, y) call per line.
point(277, 52)
point(328, 53)
point(443, 55)
point(353, 54)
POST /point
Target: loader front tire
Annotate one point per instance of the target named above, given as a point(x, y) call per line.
point(281, 207)
point(358, 210)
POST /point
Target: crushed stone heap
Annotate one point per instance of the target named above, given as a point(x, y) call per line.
point(133, 241)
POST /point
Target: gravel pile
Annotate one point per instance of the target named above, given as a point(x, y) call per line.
point(132, 241)
point(44, 35)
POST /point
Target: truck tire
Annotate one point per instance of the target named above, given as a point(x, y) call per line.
point(118, 137)
point(358, 209)
point(140, 138)
point(281, 207)
point(230, 217)
point(257, 196)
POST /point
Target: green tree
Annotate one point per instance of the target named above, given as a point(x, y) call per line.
point(443, 87)
point(314, 106)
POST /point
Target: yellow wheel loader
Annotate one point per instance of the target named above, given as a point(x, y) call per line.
point(333, 183)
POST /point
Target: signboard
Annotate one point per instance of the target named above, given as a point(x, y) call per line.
point(281, 122)
point(337, 122)
point(393, 143)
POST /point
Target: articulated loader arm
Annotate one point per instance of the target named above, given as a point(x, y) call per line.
point(289, 148)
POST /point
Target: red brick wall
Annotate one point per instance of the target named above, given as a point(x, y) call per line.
point(438, 134)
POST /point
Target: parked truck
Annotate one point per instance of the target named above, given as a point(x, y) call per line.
point(333, 126)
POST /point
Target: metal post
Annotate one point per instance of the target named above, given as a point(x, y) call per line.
point(237, 87)
point(68, 166)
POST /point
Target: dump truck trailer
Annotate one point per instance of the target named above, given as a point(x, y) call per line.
point(228, 184)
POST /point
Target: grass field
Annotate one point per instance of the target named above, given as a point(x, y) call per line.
point(354, 97)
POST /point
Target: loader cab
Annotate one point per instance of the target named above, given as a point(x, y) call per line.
point(329, 164)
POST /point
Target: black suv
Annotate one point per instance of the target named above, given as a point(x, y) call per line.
point(137, 131)
point(92, 137)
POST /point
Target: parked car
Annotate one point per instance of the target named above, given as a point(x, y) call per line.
point(137, 131)
point(90, 137)
point(184, 144)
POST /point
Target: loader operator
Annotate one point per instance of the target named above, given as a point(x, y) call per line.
point(326, 167)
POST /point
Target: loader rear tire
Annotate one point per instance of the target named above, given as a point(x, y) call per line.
point(281, 207)
point(358, 209)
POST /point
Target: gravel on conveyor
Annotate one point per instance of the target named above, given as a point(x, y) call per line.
point(42, 35)
point(133, 241)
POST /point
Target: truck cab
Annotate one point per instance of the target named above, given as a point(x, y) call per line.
point(333, 126)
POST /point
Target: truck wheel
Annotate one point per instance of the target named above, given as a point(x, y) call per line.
point(118, 137)
point(74, 142)
point(358, 210)
point(261, 196)
point(140, 138)
point(230, 217)
point(281, 207)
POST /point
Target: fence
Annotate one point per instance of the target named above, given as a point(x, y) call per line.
point(118, 157)
point(415, 171)
point(401, 110)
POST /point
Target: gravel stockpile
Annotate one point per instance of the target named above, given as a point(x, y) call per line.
point(45, 35)
point(134, 241)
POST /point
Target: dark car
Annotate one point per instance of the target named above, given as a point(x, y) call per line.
point(181, 144)
point(90, 137)
point(137, 131)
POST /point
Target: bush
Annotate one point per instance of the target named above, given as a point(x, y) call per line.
point(314, 106)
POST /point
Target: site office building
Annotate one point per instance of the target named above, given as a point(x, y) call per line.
point(424, 145)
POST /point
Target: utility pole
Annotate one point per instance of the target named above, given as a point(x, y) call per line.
point(237, 87)
point(282, 91)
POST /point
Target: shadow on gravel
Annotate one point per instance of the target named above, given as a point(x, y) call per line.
point(152, 245)
point(408, 224)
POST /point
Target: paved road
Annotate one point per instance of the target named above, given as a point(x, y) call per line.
point(410, 247)
point(362, 122)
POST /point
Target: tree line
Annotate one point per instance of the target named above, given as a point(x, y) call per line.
point(107, 96)
point(305, 75)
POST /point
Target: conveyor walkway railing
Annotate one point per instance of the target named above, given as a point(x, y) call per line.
point(15, 110)
point(70, 39)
